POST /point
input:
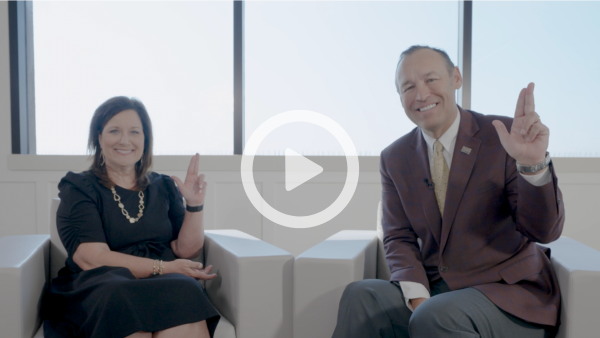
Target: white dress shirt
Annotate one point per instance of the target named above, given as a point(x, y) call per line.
point(412, 290)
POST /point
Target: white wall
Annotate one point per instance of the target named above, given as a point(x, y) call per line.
point(27, 183)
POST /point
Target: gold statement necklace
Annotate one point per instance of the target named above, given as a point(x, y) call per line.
point(123, 211)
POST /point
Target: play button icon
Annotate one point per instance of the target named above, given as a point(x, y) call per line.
point(298, 169)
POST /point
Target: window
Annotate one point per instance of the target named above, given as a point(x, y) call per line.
point(553, 44)
point(337, 59)
point(176, 57)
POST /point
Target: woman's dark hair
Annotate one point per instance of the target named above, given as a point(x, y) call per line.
point(102, 115)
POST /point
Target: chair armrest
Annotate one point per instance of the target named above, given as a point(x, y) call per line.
point(253, 289)
point(24, 270)
point(577, 268)
point(321, 274)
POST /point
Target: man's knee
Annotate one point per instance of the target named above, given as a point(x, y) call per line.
point(362, 290)
point(432, 315)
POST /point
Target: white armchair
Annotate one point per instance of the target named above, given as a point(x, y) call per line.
point(253, 290)
point(350, 256)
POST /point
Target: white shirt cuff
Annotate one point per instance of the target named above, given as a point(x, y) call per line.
point(412, 290)
point(539, 179)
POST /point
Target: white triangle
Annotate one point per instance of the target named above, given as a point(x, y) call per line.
point(298, 169)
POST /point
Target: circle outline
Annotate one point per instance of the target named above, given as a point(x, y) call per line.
point(300, 222)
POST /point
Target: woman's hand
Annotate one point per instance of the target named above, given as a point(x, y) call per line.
point(188, 268)
point(194, 187)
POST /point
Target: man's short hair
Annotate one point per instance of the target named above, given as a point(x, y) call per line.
point(414, 48)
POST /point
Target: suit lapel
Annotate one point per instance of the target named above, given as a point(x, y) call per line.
point(420, 171)
point(460, 171)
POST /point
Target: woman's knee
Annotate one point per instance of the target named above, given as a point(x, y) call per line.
point(182, 282)
point(197, 329)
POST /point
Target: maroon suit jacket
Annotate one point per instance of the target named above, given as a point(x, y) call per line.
point(492, 217)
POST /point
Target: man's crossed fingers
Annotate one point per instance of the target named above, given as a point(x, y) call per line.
point(531, 122)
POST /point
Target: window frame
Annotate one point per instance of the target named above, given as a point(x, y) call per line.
point(22, 84)
point(22, 87)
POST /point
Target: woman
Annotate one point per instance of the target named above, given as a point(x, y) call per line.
point(129, 240)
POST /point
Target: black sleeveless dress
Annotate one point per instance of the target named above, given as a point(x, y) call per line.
point(110, 301)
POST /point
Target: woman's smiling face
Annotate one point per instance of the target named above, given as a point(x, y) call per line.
point(122, 140)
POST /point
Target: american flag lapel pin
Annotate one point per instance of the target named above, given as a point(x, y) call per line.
point(465, 150)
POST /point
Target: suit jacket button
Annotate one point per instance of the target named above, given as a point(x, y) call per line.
point(443, 269)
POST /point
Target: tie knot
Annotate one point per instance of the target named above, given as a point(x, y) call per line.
point(438, 146)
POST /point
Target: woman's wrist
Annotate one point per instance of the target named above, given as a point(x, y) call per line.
point(154, 267)
point(158, 267)
point(165, 269)
point(194, 208)
point(193, 203)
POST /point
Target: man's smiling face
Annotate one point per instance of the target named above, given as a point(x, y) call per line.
point(427, 91)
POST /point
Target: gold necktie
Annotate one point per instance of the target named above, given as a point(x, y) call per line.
point(440, 175)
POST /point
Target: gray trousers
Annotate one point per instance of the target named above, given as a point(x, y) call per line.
point(376, 308)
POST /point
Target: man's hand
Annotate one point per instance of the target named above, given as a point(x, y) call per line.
point(527, 141)
point(416, 302)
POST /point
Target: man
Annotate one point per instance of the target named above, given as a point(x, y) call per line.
point(478, 197)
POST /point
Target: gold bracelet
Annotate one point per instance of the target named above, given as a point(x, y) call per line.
point(160, 268)
point(154, 268)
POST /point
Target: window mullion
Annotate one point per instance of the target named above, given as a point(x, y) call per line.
point(465, 33)
point(238, 78)
point(21, 77)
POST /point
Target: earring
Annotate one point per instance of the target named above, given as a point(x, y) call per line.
point(102, 157)
point(141, 159)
